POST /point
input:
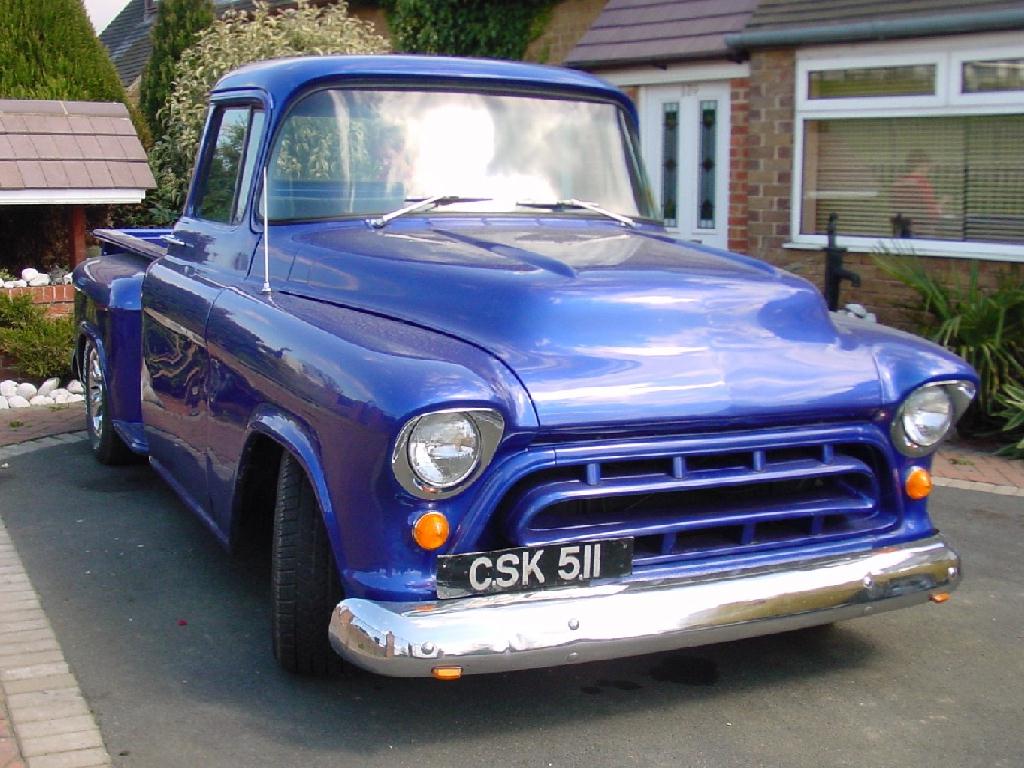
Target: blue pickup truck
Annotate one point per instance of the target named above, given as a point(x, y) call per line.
point(420, 333)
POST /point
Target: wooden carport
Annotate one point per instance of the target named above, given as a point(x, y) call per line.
point(73, 154)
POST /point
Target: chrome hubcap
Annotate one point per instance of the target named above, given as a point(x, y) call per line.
point(94, 384)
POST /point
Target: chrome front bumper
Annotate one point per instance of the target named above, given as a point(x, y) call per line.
point(498, 633)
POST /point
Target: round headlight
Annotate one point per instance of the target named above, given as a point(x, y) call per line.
point(927, 416)
point(443, 448)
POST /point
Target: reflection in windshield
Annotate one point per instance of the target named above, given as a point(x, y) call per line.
point(354, 152)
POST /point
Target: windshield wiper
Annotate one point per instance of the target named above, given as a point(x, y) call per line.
point(421, 203)
point(572, 202)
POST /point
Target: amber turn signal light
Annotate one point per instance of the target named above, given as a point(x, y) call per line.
point(939, 597)
point(446, 673)
point(431, 531)
point(918, 483)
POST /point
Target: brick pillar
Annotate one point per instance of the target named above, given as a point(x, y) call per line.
point(76, 234)
point(739, 93)
point(770, 163)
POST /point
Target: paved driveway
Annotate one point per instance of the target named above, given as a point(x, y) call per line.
point(168, 636)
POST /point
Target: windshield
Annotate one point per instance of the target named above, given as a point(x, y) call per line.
point(360, 152)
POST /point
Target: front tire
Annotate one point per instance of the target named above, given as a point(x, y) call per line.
point(305, 584)
point(107, 445)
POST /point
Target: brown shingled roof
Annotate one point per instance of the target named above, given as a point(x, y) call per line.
point(51, 146)
point(659, 31)
point(787, 14)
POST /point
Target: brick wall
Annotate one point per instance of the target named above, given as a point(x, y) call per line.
point(58, 299)
point(739, 92)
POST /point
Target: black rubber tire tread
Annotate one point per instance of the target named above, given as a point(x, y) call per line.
point(108, 448)
point(305, 586)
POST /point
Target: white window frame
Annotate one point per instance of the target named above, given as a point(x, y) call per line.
point(947, 55)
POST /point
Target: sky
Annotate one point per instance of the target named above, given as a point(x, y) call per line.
point(102, 12)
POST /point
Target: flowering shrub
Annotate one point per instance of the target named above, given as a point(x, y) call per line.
point(236, 39)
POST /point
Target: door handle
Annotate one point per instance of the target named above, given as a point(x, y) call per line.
point(172, 240)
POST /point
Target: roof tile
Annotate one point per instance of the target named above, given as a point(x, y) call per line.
point(89, 147)
point(142, 176)
point(32, 174)
point(78, 177)
point(23, 146)
point(110, 148)
point(99, 173)
point(14, 123)
point(132, 148)
point(46, 147)
point(121, 173)
point(10, 176)
point(67, 147)
point(53, 172)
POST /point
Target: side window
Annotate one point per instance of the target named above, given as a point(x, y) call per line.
point(228, 171)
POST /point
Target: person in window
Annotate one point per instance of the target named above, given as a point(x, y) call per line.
point(917, 210)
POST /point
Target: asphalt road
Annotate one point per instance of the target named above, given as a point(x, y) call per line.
point(168, 636)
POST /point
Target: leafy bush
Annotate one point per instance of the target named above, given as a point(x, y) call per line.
point(491, 28)
point(984, 327)
point(178, 23)
point(236, 39)
point(1012, 412)
point(18, 311)
point(41, 346)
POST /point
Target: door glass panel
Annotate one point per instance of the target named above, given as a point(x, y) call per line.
point(220, 181)
point(251, 147)
point(706, 170)
point(669, 162)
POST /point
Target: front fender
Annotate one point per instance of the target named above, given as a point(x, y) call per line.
point(299, 439)
point(904, 361)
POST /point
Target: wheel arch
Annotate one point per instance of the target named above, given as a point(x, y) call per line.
point(272, 432)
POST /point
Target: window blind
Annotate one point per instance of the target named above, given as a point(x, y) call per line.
point(944, 178)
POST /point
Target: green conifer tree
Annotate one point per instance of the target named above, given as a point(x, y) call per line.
point(48, 50)
point(178, 23)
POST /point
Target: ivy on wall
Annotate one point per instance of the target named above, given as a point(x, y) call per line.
point(488, 28)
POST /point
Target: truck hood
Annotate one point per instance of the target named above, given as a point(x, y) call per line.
point(601, 324)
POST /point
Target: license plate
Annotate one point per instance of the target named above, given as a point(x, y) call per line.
point(529, 568)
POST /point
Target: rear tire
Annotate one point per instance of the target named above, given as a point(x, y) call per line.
point(305, 587)
point(107, 445)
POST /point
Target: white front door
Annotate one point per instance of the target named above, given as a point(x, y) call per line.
point(684, 133)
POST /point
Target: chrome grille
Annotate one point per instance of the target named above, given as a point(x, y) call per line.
point(693, 498)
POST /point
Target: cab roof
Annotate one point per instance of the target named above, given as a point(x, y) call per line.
point(281, 78)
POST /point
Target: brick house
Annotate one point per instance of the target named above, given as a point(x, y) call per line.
point(904, 118)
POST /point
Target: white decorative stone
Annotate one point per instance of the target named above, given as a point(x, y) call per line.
point(47, 387)
point(39, 282)
point(68, 278)
point(76, 398)
point(8, 283)
point(60, 396)
point(3, 403)
point(41, 400)
point(8, 388)
point(27, 390)
point(18, 284)
point(58, 391)
point(75, 387)
point(29, 274)
point(17, 402)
